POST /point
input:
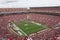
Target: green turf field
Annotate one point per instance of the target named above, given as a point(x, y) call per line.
point(29, 28)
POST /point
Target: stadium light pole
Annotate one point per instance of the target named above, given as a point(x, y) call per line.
point(27, 13)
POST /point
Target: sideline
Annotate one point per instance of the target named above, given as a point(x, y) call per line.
point(19, 30)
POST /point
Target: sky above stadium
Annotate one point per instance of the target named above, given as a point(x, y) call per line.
point(28, 3)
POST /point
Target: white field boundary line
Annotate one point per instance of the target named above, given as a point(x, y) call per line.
point(16, 27)
point(11, 30)
point(38, 25)
point(39, 32)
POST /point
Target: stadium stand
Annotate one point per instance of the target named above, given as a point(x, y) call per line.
point(45, 19)
point(48, 16)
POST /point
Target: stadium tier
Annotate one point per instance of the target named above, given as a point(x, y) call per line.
point(36, 23)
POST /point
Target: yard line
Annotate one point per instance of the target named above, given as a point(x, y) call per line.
point(38, 24)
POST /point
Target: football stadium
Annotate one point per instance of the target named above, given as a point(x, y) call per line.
point(29, 27)
point(35, 23)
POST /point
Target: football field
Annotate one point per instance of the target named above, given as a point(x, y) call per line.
point(28, 27)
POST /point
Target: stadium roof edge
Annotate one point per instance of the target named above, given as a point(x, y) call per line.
point(54, 9)
point(12, 12)
point(47, 7)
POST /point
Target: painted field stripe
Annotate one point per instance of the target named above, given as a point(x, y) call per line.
point(38, 24)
